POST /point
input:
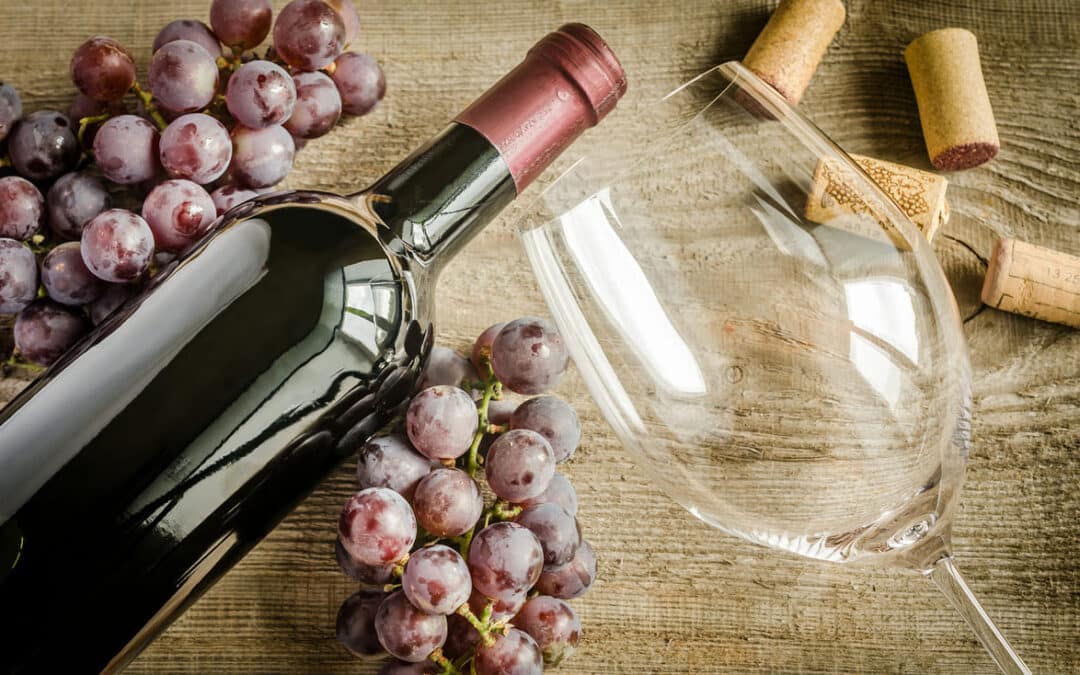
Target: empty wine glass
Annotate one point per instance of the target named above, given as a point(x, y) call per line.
point(767, 333)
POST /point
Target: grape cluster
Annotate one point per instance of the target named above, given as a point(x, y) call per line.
point(130, 175)
point(451, 583)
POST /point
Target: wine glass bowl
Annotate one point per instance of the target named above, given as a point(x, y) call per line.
point(766, 332)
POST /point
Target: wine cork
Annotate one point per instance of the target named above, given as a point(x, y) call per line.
point(1034, 281)
point(836, 201)
point(954, 108)
point(790, 46)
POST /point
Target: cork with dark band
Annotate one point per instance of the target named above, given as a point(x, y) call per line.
point(954, 108)
point(790, 46)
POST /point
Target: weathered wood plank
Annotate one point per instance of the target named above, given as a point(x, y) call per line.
point(673, 595)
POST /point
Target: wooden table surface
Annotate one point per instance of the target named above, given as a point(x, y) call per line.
point(674, 595)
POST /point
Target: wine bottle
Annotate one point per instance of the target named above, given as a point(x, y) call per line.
point(150, 458)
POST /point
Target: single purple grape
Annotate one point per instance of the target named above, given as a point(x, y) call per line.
point(505, 560)
point(500, 410)
point(360, 81)
point(373, 575)
point(117, 245)
point(261, 157)
point(10, 109)
point(436, 580)
point(481, 350)
point(318, 106)
point(519, 465)
point(66, 278)
point(241, 24)
point(43, 145)
point(441, 422)
point(260, 94)
point(447, 502)
point(514, 653)
point(183, 76)
point(355, 623)
point(102, 69)
point(126, 149)
point(572, 579)
point(554, 626)
point(529, 356)
point(349, 16)
point(45, 330)
point(18, 276)
point(309, 34)
point(228, 196)
point(446, 367)
point(501, 610)
point(396, 667)
point(72, 201)
point(556, 529)
point(21, 205)
point(552, 418)
point(377, 526)
point(390, 462)
point(407, 632)
point(196, 147)
point(191, 30)
point(114, 296)
point(559, 491)
point(179, 213)
point(461, 637)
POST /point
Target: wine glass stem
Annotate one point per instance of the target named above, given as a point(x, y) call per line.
point(946, 576)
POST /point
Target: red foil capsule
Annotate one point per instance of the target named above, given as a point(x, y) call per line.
point(567, 83)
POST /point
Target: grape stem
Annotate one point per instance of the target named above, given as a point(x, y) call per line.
point(482, 625)
point(148, 102)
point(439, 659)
point(492, 389)
point(85, 122)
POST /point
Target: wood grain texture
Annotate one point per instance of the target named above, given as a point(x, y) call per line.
point(673, 595)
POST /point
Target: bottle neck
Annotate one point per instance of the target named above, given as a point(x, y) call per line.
point(444, 193)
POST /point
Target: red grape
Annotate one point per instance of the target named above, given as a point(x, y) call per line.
point(374, 575)
point(45, 330)
point(377, 526)
point(355, 625)
point(10, 109)
point(519, 465)
point(361, 82)
point(18, 276)
point(559, 491)
point(529, 356)
point(572, 579)
point(188, 29)
point(514, 653)
point(447, 502)
point(102, 69)
point(228, 196)
point(556, 529)
point(461, 637)
point(126, 149)
point(505, 560)
point(500, 410)
point(308, 34)
point(117, 245)
point(241, 24)
point(554, 626)
point(441, 422)
point(481, 351)
point(553, 419)
point(390, 462)
point(446, 367)
point(179, 213)
point(66, 278)
point(21, 205)
point(114, 296)
point(260, 94)
point(196, 147)
point(72, 201)
point(501, 610)
point(318, 106)
point(43, 145)
point(436, 580)
point(407, 632)
point(183, 76)
point(261, 157)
